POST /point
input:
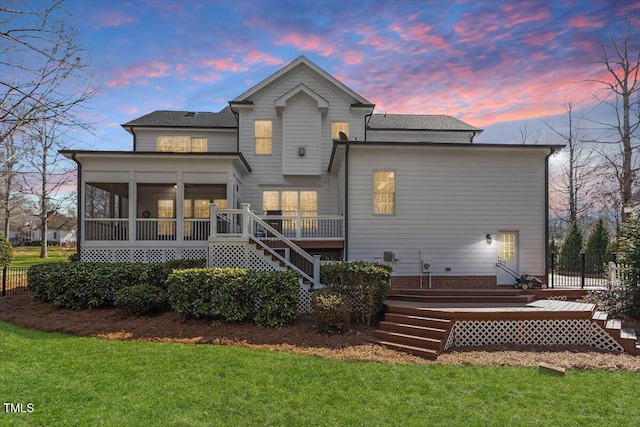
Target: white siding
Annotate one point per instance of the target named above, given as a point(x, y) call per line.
point(267, 173)
point(301, 127)
point(447, 200)
point(218, 141)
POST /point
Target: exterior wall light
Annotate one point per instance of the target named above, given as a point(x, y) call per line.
point(489, 239)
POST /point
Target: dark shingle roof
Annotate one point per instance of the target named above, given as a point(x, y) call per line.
point(186, 119)
point(418, 122)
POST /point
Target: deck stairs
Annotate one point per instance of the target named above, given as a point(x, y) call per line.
point(626, 337)
point(410, 328)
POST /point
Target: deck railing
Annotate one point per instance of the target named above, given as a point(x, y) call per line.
point(267, 236)
point(156, 229)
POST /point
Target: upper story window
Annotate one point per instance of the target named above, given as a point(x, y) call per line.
point(264, 136)
point(182, 144)
point(337, 127)
point(384, 192)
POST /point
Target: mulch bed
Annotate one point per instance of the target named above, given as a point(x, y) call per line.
point(300, 338)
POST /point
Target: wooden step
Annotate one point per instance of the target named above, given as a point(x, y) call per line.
point(410, 340)
point(628, 334)
point(428, 322)
point(522, 298)
point(614, 325)
point(427, 353)
point(420, 331)
point(600, 317)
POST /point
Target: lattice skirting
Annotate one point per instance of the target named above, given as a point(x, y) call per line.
point(240, 255)
point(141, 255)
point(466, 333)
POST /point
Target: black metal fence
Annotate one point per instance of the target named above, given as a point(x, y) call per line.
point(14, 280)
point(582, 271)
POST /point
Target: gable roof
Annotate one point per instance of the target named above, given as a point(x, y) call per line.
point(186, 119)
point(418, 122)
point(302, 60)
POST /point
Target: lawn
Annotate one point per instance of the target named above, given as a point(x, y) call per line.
point(26, 256)
point(87, 381)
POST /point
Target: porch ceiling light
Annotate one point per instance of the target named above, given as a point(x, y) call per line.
point(489, 239)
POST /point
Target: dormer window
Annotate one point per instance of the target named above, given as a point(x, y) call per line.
point(337, 127)
point(182, 144)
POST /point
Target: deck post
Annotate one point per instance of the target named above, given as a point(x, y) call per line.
point(553, 267)
point(213, 221)
point(245, 220)
point(316, 271)
point(298, 224)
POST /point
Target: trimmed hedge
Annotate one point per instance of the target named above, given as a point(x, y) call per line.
point(80, 285)
point(278, 293)
point(363, 284)
point(232, 295)
point(210, 292)
point(142, 299)
point(331, 311)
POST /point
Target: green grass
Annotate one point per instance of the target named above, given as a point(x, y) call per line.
point(85, 381)
point(26, 256)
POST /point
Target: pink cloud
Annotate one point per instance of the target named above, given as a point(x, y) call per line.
point(139, 72)
point(540, 39)
point(115, 18)
point(129, 110)
point(308, 42)
point(421, 33)
point(253, 56)
point(582, 21)
point(522, 12)
point(352, 57)
point(224, 64)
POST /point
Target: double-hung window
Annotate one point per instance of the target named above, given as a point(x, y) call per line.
point(384, 192)
point(264, 136)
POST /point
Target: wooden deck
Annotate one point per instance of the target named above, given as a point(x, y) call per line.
point(427, 322)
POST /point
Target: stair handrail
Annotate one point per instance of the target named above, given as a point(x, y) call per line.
point(282, 259)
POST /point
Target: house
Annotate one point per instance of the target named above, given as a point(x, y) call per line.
point(299, 169)
point(60, 230)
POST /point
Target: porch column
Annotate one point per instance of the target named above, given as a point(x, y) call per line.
point(133, 205)
point(231, 200)
point(213, 221)
point(179, 208)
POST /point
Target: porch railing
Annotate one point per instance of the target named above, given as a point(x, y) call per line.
point(156, 229)
point(301, 227)
point(244, 223)
point(106, 229)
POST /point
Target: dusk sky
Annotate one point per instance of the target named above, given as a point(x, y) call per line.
point(485, 62)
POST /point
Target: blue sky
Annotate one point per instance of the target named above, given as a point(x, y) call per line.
point(493, 64)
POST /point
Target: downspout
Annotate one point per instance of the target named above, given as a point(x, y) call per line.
point(237, 115)
point(79, 207)
point(135, 138)
point(346, 201)
point(546, 213)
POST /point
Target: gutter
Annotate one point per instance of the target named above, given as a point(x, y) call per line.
point(346, 202)
point(79, 207)
point(546, 213)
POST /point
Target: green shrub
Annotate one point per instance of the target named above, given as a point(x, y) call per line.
point(6, 251)
point(278, 293)
point(629, 259)
point(158, 273)
point(215, 292)
point(364, 285)
point(569, 260)
point(142, 299)
point(80, 285)
point(330, 311)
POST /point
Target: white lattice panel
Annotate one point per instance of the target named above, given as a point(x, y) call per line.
point(227, 255)
point(304, 299)
point(450, 340)
point(122, 255)
point(193, 253)
point(139, 255)
point(97, 255)
point(532, 332)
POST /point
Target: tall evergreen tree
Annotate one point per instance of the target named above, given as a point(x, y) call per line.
point(570, 250)
point(597, 248)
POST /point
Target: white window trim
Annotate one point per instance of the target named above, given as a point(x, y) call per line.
point(395, 192)
point(173, 139)
point(255, 138)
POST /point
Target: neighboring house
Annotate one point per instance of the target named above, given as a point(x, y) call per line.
point(299, 165)
point(60, 230)
point(632, 208)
